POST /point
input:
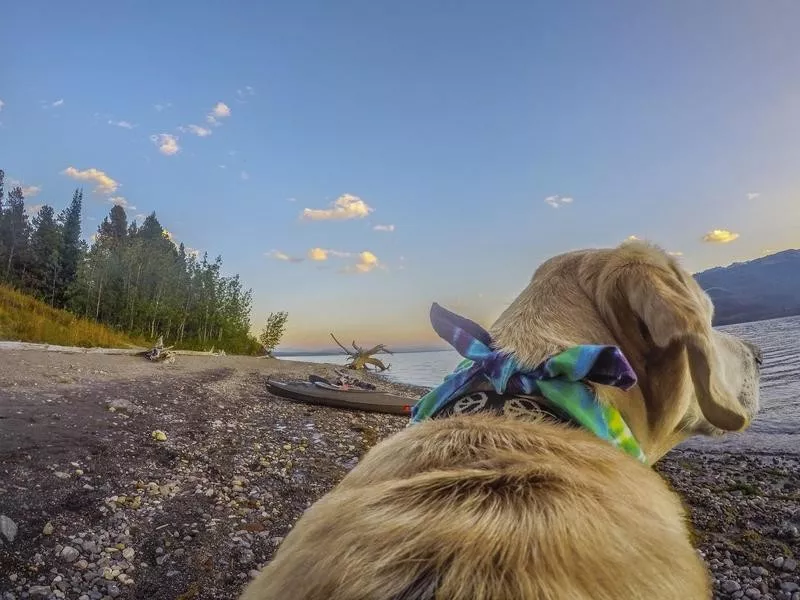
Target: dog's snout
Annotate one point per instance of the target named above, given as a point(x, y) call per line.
point(758, 355)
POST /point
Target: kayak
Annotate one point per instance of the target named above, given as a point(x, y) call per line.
point(330, 395)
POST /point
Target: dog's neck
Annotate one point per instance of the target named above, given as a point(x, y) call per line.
point(564, 383)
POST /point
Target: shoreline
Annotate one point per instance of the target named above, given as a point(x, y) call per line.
point(104, 510)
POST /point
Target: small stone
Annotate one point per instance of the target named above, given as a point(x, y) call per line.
point(48, 528)
point(37, 591)
point(108, 574)
point(778, 562)
point(69, 554)
point(81, 564)
point(159, 436)
point(8, 529)
point(113, 590)
point(789, 586)
point(730, 586)
point(128, 553)
point(752, 593)
point(61, 475)
point(789, 565)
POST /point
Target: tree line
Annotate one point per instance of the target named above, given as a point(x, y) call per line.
point(131, 277)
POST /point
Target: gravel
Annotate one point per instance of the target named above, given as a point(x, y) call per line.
point(197, 515)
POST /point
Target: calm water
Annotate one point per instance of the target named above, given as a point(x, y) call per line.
point(777, 428)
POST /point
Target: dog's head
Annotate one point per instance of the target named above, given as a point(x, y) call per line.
point(693, 379)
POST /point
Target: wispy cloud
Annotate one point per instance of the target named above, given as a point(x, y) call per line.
point(753, 195)
point(2, 104)
point(243, 93)
point(123, 124)
point(162, 107)
point(278, 255)
point(57, 103)
point(197, 130)
point(720, 236)
point(105, 184)
point(29, 191)
point(319, 254)
point(244, 175)
point(343, 208)
point(558, 200)
point(33, 209)
point(121, 201)
point(167, 143)
point(291, 199)
point(383, 228)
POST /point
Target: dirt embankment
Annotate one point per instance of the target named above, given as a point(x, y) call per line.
point(98, 508)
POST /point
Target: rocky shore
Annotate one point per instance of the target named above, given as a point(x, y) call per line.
point(121, 478)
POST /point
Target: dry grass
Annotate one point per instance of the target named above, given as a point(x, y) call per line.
point(26, 319)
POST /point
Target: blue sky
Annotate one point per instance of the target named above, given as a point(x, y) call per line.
point(466, 126)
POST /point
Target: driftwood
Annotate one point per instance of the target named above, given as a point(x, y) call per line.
point(67, 349)
point(359, 358)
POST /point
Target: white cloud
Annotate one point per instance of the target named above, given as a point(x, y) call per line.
point(319, 254)
point(278, 255)
point(291, 199)
point(212, 121)
point(558, 200)
point(753, 195)
point(383, 228)
point(244, 175)
point(367, 261)
point(161, 107)
point(720, 236)
point(167, 143)
point(123, 124)
point(29, 191)
point(105, 184)
point(57, 103)
point(345, 207)
point(121, 201)
point(221, 110)
point(197, 130)
point(2, 104)
point(33, 209)
point(223, 166)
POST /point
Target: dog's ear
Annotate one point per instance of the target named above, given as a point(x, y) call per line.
point(642, 290)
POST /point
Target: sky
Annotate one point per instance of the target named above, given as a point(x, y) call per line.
point(355, 161)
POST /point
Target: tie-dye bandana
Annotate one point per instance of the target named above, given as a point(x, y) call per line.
point(563, 380)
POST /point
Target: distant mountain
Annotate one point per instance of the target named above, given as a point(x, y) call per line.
point(764, 288)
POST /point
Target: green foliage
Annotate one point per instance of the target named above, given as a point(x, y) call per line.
point(132, 278)
point(273, 331)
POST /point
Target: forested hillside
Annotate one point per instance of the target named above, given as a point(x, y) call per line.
point(131, 277)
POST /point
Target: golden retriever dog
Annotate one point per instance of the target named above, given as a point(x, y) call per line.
point(488, 507)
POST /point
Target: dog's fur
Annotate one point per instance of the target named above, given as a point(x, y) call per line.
point(486, 507)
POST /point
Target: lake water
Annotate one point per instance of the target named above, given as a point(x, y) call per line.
point(777, 428)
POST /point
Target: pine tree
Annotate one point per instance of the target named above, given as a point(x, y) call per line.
point(2, 219)
point(15, 234)
point(72, 249)
point(45, 258)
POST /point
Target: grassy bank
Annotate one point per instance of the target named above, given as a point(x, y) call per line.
point(23, 318)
